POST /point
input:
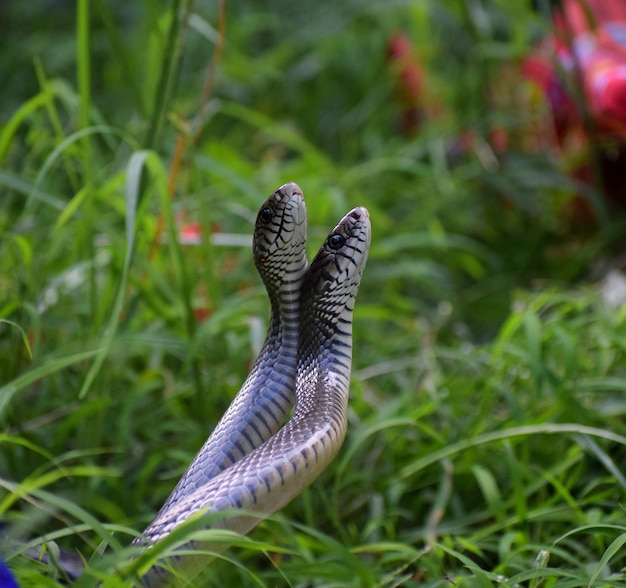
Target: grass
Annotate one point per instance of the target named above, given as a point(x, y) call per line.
point(486, 440)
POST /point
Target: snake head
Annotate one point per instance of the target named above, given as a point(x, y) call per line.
point(336, 271)
point(280, 235)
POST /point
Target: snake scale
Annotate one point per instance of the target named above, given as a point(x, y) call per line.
point(259, 471)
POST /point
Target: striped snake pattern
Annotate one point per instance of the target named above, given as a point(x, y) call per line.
point(267, 395)
point(261, 474)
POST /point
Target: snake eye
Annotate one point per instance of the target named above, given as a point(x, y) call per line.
point(266, 215)
point(336, 241)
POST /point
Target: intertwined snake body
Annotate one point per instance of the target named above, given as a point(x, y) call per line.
point(266, 478)
point(267, 395)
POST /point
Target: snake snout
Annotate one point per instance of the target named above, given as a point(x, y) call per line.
point(358, 212)
point(289, 190)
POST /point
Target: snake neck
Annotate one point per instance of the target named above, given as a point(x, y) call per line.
point(281, 342)
point(284, 291)
point(325, 353)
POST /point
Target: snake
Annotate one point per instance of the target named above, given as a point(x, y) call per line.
point(272, 474)
point(267, 395)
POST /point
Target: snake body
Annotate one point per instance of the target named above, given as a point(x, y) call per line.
point(267, 395)
point(275, 472)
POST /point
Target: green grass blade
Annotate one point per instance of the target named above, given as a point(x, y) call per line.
point(47, 368)
point(133, 190)
point(547, 429)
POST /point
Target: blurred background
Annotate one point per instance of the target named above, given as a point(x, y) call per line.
point(486, 138)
